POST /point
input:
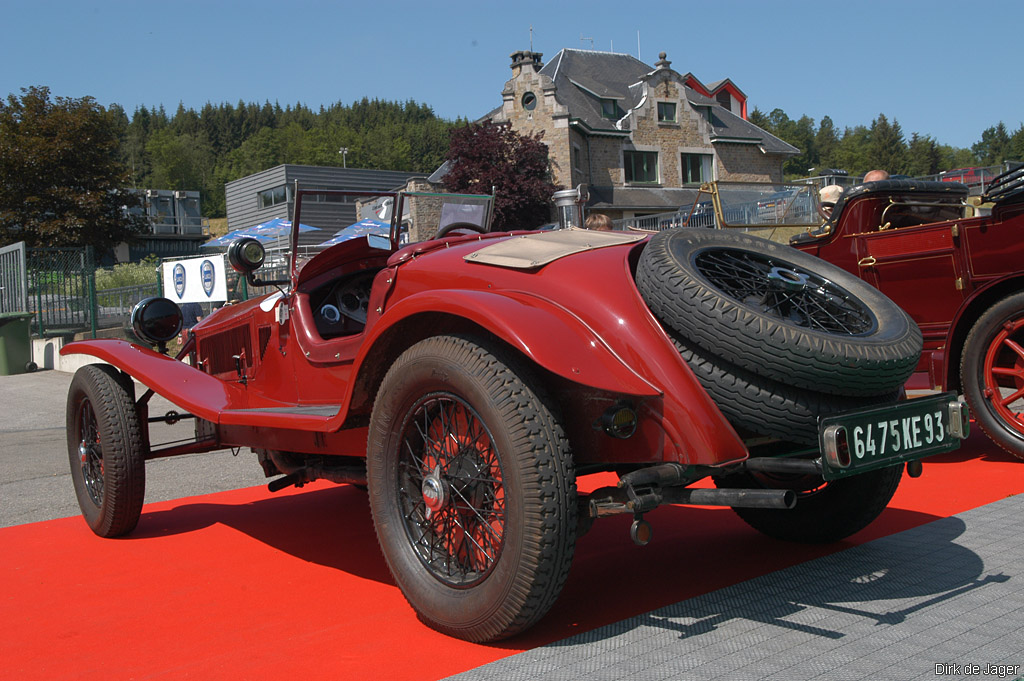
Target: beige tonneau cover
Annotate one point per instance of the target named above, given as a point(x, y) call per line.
point(540, 248)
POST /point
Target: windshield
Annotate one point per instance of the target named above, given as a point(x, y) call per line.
point(381, 221)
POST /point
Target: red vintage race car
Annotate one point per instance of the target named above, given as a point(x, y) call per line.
point(466, 380)
point(958, 271)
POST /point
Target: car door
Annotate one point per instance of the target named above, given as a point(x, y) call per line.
point(919, 268)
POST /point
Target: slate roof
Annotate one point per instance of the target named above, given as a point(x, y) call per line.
point(584, 77)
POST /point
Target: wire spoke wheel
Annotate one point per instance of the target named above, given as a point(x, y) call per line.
point(472, 487)
point(106, 449)
point(785, 291)
point(778, 313)
point(90, 452)
point(451, 490)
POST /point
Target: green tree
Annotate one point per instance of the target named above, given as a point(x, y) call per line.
point(1015, 147)
point(923, 156)
point(852, 151)
point(826, 139)
point(61, 173)
point(486, 155)
point(886, 147)
point(994, 145)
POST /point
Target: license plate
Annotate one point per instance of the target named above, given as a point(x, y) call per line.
point(856, 442)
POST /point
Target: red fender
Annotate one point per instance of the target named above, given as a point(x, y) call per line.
point(550, 335)
point(189, 388)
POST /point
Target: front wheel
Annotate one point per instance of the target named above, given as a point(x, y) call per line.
point(992, 373)
point(825, 511)
point(106, 449)
point(472, 489)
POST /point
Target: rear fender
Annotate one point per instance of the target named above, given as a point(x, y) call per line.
point(189, 388)
point(690, 429)
point(551, 336)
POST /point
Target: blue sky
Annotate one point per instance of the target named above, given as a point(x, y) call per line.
point(941, 68)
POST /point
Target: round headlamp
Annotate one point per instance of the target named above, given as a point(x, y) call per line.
point(156, 320)
point(246, 255)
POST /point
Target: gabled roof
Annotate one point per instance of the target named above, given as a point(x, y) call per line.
point(585, 77)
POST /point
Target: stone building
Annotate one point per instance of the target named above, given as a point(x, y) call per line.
point(641, 138)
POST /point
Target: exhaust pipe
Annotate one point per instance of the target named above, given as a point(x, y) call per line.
point(609, 501)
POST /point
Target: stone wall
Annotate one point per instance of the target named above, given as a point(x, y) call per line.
point(746, 163)
point(548, 117)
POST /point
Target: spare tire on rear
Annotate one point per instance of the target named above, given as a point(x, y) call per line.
point(778, 312)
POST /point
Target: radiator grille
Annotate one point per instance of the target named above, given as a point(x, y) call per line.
point(264, 338)
point(217, 351)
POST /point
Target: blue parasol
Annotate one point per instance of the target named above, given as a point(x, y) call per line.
point(354, 231)
point(275, 227)
point(265, 231)
point(227, 239)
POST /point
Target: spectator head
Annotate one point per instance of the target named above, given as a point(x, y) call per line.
point(875, 175)
point(599, 221)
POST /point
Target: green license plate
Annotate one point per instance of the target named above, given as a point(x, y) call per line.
point(860, 441)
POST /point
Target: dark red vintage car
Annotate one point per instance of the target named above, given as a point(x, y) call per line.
point(466, 380)
point(959, 274)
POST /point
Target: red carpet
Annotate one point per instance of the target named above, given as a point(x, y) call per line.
point(251, 585)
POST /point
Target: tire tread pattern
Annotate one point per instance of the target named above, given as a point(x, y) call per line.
point(765, 345)
point(124, 475)
point(546, 470)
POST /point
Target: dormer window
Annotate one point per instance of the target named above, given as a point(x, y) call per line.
point(666, 112)
point(609, 109)
point(724, 100)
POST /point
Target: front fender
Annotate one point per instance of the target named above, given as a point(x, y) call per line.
point(189, 388)
point(551, 336)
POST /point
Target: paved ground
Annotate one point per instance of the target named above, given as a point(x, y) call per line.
point(35, 478)
point(941, 601)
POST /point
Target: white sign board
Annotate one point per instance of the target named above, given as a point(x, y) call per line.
point(196, 280)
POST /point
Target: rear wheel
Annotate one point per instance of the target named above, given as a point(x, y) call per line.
point(992, 373)
point(825, 511)
point(472, 489)
point(106, 449)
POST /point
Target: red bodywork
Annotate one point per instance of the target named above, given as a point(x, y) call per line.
point(579, 321)
point(944, 272)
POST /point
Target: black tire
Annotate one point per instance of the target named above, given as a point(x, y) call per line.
point(106, 449)
point(755, 405)
point(824, 512)
point(778, 312)
point(992, 373)
point(493, 556)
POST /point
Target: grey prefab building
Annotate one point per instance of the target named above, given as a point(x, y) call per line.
point(268, 194)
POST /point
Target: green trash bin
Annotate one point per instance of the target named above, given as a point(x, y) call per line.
point(15, 343)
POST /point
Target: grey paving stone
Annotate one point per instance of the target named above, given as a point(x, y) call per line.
point(951, 591)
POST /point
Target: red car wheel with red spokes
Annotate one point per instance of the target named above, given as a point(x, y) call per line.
point(992, 373)
point(472, 488)
point(451, 490)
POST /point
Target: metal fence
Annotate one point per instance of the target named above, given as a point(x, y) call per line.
point(114, 305)
point(13, 280)
point(61, 290)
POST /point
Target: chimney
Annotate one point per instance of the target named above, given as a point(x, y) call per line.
point(525, 58)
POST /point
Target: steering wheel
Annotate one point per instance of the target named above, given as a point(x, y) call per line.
point(460, 225)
